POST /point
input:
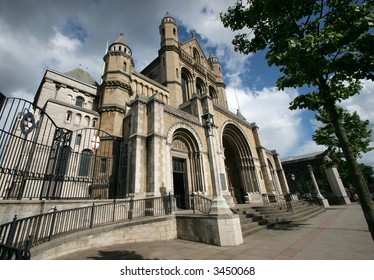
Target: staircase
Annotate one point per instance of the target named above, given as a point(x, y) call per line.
point(255, 218)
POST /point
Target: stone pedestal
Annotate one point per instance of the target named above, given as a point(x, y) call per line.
point(323, 201)
point(336, 185)
point(215, 230)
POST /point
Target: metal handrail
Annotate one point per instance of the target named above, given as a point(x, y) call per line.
point(309, 198)
point(47, 226)
point(194, 202)
point(278, 201)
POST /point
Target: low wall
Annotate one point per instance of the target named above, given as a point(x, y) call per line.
point(214, 230)
point(143, 230)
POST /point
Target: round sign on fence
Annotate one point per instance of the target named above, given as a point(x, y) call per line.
point(95, 142)
point(27, 123)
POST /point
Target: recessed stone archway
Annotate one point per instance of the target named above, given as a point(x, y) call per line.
point(185, 159)
point(239, 163)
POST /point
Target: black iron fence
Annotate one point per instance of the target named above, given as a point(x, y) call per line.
point(8, 252)
point(278, 201)
point(18, 236)
point(40, 160)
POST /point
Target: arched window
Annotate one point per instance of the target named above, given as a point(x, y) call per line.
point(94, 122)
point(69, 98)
point(213, 94)
point(85, 163)
point(124, 66)
point(79, 101)
point(78, 119)
point(200, 87)
point(196, 55)
point(86, 121)
point(68, 116)
point(185, 88)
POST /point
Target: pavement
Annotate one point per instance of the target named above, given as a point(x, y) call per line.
point(339, 233)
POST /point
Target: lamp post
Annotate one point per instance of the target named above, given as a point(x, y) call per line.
point(219, 204)
point(320, 197)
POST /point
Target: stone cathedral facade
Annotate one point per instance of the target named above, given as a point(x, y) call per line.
point(161, 114)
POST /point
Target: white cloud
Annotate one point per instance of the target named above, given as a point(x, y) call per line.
point(61, 42)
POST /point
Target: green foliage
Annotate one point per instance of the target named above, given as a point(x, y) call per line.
point(358, 133)
point(326, 45)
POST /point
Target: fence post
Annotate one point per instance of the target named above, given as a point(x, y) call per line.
point(92, 215)
point(193, 202)
point(170, 204)
point(26, 255)
point(131, 208)
point(52, 223)
point(114, 210)
point(12, 231)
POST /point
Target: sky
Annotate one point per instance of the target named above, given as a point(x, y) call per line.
point(63, 35)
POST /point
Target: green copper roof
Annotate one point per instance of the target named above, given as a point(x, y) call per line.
point(82, 76)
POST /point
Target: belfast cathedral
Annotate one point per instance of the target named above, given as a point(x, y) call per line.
point(176, 132)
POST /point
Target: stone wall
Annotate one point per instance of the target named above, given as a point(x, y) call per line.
point(143, 230)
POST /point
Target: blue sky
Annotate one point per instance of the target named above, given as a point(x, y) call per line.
point(62, 35)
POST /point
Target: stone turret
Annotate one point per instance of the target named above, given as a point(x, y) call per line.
point(116, 88)
point(168, 31)
point(217, 70)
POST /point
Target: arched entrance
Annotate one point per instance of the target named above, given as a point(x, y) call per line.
point(239, 164)
point(186, 166)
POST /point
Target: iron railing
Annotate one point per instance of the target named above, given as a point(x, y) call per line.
point(11, 253)
point(17, 235)
point(310, 199)
point(194, 202)
point(278, 201)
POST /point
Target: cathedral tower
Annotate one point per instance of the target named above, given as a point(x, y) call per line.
point(169, 59)
point(116, 87)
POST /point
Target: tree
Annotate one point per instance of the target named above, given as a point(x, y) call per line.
point(358, 133)
point(325, 45)
point(359, 136)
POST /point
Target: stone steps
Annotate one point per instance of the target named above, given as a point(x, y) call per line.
point(251, 221)
point(255, 218)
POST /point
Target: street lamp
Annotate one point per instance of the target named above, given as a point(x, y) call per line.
point(219, 204)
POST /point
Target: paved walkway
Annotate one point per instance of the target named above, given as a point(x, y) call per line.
point(340, 233)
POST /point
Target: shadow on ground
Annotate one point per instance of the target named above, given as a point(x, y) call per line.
point(118, 255)
point(284, 226)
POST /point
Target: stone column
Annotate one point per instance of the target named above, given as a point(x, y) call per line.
point(320, 197)
point(222, 223)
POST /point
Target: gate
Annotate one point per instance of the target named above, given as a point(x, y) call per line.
point(40, 160)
